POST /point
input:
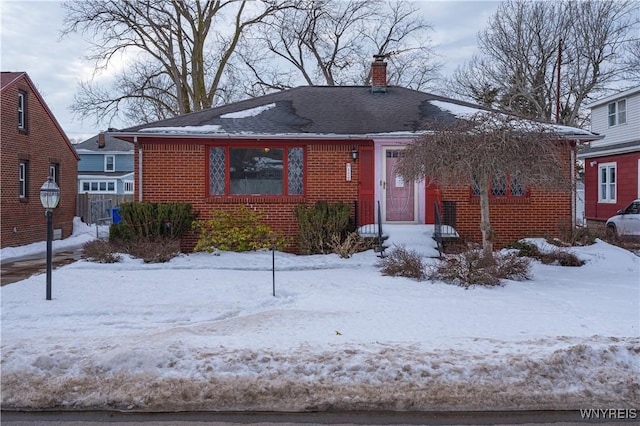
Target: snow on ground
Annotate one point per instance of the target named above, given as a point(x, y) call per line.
point(204, 332)
point(81, 234)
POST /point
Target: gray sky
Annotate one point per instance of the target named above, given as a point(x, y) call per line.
point(30, 41)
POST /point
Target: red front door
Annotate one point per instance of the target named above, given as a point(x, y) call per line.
point(366, 207)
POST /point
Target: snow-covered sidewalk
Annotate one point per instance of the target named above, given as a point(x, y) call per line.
point(204, 332)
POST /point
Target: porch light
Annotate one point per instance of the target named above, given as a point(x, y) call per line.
point(354, 154)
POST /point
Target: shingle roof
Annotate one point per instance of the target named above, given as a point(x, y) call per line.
point(326, 111)
point(110, 144)
point(339, 110)
point(8, 77)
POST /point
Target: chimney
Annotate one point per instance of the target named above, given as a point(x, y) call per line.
point(378, 74)
point(101, 140)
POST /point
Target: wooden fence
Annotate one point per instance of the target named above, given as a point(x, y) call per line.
point(98, 208)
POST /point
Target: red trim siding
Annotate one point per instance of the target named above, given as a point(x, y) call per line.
point(626, 185)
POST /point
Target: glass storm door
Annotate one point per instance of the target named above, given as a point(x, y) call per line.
point(400, 196)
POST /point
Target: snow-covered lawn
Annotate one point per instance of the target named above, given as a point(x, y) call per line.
point(204, 332)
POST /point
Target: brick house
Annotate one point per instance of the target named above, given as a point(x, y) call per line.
point(327, 143)
point(34, 147)
point(612, 165)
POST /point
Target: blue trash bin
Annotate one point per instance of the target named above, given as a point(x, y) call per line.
point(115, 215)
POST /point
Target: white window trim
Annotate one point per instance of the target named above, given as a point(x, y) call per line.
point(616, 114)
point(607, 198)
point(127, 183)
point(22, 100)
point(105, 163)
point(90, 181)
point(22, 178)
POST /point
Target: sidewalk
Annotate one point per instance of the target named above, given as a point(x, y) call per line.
point(22, 267)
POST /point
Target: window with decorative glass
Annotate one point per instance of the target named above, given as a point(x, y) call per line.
point(502, 186)
point(272, 170)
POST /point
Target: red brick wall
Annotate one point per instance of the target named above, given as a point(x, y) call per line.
point(626, 186)
point(543, 213)
point(23, 221)
point(175, 172)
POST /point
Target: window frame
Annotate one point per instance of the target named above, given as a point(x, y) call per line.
point(272, 145)
point(604, 188)
point(98, 184)
point(508, 187)
point(22, 111)
point(617, 112)
point(54, 172)
point(23, 180)
point(106, 163)
point(128, 183)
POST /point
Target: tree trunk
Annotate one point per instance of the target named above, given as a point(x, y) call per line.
point(485, 223)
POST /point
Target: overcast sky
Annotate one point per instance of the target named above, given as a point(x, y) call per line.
point(31, 42)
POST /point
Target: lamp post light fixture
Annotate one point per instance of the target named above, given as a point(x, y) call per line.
point(49, 197)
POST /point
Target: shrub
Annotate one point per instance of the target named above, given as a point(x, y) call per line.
point(101, 251)
point(563, 258)
point(526, 249)
point(238, 231)
point(153, 220)
point(318, 225)
point(353, 243)
point(155, 250)
point(577, 236)
point(401, 262)
point(470, 268)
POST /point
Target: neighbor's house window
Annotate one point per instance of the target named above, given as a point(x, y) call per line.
point(22, 110)
point(95, 186)
point(618, 112)
point(508, 186)
point(109, 163)
point(607, 182)
point(54, 172)
point(23, 179)
point(128, 186)
point(256, 171)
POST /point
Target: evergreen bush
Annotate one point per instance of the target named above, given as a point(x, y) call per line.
point(320, 225)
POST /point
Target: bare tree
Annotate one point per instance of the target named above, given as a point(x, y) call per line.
point(489, 147)
point(332, 42)
point(532, 49)
point(176, 52)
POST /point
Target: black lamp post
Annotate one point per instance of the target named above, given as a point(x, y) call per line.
point(49, 197)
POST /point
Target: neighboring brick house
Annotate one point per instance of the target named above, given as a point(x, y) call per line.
point(612, 165)
point(106, 166)
point(329, 143)
point(34, 147)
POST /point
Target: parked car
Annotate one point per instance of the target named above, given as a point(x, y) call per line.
point(627, 221)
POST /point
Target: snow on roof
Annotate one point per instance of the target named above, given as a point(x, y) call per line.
point(463, 111)
point(251, 112)
point(208, 128)
point(456, 109)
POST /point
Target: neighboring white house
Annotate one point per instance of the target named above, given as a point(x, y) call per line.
point(105, 166)
point(612, 165)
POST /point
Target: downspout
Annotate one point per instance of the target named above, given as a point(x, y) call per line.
point(574, 187)
point(135, 142)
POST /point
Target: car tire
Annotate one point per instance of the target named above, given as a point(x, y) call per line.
point(612, 232)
